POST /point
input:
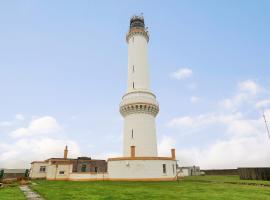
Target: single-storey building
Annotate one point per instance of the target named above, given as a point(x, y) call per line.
point(67, 168)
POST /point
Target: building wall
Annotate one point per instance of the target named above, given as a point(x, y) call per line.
point(101, 165)
point(35, 170)
point(53, 172)
point(185, 172)
point(88, 176)
point(141, 169)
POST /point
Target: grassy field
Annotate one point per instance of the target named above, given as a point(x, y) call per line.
point(191, 188)
point(11, 193)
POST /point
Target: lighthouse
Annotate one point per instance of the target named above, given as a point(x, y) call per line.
point(139, 108)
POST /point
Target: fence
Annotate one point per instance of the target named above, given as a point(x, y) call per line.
point(254, 173)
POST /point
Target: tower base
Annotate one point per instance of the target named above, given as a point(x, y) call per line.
point(142, 169)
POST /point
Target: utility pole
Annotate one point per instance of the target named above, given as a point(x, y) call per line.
point(266, 125)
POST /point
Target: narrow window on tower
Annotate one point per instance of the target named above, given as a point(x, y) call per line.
point(133, 69)
point(132, 136)
point(133, 85)
point(132, 39)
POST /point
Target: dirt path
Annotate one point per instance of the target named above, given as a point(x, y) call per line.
point(29, 193)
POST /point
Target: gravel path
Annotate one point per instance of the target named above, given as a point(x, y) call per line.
point(29, 193)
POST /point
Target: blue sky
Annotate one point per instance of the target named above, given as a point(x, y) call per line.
point(63, 71)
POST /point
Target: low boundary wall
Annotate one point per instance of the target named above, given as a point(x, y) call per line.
point(218, 172)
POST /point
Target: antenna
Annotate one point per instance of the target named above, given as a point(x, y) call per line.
point(266, 125)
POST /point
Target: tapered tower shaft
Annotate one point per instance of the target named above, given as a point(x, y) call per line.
point(139, 106)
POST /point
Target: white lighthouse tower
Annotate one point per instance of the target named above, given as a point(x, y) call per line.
point(139, 106)
point(139, 109)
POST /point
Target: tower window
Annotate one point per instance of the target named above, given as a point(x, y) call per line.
point(173, 168)
point(133, 85)
point(133, 69)
point(132, 136)
point(164, 168)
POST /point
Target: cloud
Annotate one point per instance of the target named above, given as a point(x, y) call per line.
point(225, 154)
point(40, 126)
point(37, 141)
point(263, 103)
point(23, 151)
point(249, 86)
point(247, 92)
point(182, 73)
point(246, 144)
point(235, 133)
point(19, 117)
point(194, 99)
point(165, 146)
point(201, 121)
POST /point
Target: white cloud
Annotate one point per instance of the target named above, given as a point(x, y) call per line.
point(19, 117)
point(37, 141)
point(232, 153)
point(22, 152)
point(263, 103)
point(248, 91)
point(165, 146)
point(40, 126)
point(185, 121)
point(249, 86)
point(241, 138)
point(201, 121)
point(182, 73)
point(194, 99)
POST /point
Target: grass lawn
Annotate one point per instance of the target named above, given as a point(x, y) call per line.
point(11, 193)
point(191, 188)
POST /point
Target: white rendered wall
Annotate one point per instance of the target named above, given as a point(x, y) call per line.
point(141, 169)
point(88, 176)
point(53, 171)
point(138, 70)
point(35, 170)
point(144, 135)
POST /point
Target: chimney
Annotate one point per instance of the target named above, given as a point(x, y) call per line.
point(173, 153)
point(66, 153)
point(132, 151)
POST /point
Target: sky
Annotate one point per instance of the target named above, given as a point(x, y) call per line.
point(63, 71)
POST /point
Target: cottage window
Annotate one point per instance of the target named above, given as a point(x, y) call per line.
point(61, 172)
point(96, 169)
point(42, 169)
point(173, 168)
point(83, 168)
point(164, 168)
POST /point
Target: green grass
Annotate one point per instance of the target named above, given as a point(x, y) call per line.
point(191, 188)
point(224, 179)
point(11, 193)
